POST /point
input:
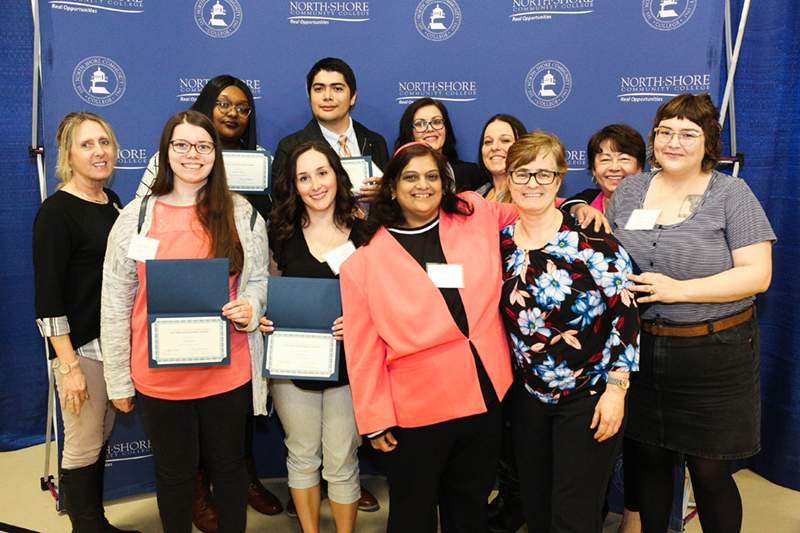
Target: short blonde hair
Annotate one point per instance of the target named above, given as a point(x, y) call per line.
point(66, 137)
point(529, 146)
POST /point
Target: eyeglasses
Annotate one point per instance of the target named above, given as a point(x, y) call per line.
point(182, 147)
point(685, 137)
point(421, 126)
point(225, 106)
point(542, 177)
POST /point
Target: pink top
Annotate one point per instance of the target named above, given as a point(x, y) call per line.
point(598, 202)
point(181, 236)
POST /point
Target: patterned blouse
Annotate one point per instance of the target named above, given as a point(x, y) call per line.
point(569, 312)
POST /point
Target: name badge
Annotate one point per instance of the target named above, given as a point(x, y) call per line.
point(643, 219)
point(142, 248)
point(336, 257)
point(446, 276)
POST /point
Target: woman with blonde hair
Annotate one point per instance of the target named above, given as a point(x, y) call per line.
point(69, 241)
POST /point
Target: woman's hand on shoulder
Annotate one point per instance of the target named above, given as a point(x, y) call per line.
point(586, 214)
point(239, 311)
point(385, 443)
point(124, 404)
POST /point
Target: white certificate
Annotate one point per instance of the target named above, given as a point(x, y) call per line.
point(189, 340)
point(643, 219)
point(247, 170)
point(301, 354)
point(359, 169)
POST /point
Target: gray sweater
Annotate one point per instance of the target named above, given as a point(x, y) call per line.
point(121, 282)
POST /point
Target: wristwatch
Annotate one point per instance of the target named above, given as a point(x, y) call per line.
point(66, 368)
point(623, 384)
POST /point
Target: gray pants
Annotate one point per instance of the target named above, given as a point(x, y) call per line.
point(85, 435)
point(320, 431)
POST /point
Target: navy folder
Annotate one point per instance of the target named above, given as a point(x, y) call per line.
point(187, 288)
point(303, 305)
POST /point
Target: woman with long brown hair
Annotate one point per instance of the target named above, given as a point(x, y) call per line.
point(191, 214)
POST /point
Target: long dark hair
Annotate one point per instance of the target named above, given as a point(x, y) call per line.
point(386, 211)
point(516, 126)
point(405, 134)
point(208, 99)
point(214, 203)
point(289, 207)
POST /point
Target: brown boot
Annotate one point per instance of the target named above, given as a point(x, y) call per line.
point(367, 502)
point(258, 497)
point(204, 514)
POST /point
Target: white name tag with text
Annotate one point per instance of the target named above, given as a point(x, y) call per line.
point(643, 219)
point(446, 276)
point(142, 248)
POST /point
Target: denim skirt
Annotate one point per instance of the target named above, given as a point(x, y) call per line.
point(699, 395)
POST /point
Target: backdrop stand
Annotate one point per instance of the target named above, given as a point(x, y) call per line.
point(726, 108)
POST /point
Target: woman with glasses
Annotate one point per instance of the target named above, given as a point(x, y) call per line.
point(191, 214)
point(426, 120)
point(573, 325)
point(704, 245)
point(229, 103)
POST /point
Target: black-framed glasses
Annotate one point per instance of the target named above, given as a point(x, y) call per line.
point(542, 177)
point(226, 106)
point(685, 137)
point(182, 147)
point(421, 125)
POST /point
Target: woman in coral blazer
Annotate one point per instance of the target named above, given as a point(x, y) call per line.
point(429, 363)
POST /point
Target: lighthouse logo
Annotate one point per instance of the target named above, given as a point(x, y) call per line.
point(437, 20)
point(99, 81)
point(218, 18)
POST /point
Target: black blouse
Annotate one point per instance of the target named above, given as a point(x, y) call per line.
point(69, 244)
point(294, 260)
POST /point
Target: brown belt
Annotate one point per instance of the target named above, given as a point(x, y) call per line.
point(697, 330)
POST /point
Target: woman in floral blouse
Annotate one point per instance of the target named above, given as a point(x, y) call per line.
point(574, 329)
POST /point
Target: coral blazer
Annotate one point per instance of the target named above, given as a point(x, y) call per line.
point(409, 363)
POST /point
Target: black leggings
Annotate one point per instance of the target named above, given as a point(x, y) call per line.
point(719, 506)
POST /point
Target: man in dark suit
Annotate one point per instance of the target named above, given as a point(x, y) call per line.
point(331, 87)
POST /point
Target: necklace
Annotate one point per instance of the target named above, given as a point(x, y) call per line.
point(327, 246)
point(95, 200)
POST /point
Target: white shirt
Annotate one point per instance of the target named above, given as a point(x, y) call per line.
point(333, 139)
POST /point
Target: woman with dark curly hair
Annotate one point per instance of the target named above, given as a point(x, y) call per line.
point(313, 216)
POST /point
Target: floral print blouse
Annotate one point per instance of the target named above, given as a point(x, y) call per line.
point(569, 312)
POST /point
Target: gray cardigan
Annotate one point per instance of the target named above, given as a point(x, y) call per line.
point(121, 282)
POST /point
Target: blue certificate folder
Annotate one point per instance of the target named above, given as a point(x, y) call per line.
point(303, 305)
point(187, 293)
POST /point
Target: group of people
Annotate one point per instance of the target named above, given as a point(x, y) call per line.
point(473, 322)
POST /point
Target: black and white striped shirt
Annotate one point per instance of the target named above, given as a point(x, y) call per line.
point(728, 217)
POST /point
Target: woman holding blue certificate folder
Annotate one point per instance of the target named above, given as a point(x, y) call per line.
point(314, 216)
point(191, 215)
